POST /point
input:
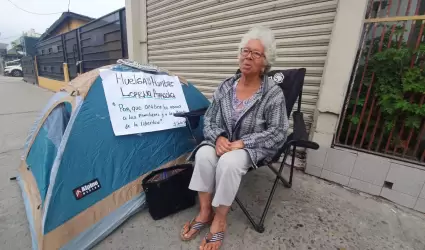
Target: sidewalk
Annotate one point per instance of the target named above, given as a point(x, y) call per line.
point(314, 214)
point(20, 103)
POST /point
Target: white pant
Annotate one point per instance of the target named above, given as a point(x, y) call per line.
point(220, 174)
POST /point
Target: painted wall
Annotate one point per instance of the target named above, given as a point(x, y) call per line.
point(135, 13)
point(55, 85)
point(50, 84)
point(345, 40)
point(69, 25)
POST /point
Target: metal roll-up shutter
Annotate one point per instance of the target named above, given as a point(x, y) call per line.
point(199, 40)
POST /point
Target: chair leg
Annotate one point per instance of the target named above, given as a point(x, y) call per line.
point(294, 149)
point(259, 227)
point(283, 180)
point(286, 183)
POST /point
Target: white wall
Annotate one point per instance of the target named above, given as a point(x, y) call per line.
point(342, 51)
point(136, 30)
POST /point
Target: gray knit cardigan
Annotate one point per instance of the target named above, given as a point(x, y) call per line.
point(262, 126)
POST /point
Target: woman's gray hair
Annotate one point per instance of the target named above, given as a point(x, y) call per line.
point(266, 36)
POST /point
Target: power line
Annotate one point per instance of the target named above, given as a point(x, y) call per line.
point(34, 13)
point(9, 37)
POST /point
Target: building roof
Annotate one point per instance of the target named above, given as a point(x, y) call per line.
point(14, 52)
point(64, 17)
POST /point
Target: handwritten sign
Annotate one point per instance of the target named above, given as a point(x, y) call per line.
point(140, 102)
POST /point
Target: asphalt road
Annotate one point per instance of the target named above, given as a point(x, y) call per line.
point(314, 214)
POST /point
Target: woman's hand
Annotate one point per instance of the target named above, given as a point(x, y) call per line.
point(237, 145)
point(222, 146)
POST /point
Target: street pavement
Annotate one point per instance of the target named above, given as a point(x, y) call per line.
point(314, 214)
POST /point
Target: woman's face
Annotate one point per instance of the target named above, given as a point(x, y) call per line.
point(252, 59)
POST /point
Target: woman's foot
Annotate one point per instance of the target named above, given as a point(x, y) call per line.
point(214, 238)
point(192, 228)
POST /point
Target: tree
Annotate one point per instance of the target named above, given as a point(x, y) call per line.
point(17, 46)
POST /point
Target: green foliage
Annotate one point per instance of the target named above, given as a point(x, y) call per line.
point(397, 84)
point(17, 46)
point(397, 75)
point(355, 119)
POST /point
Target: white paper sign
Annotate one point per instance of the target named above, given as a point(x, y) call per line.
point(140, 102)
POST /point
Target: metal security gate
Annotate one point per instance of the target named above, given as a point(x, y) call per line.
point(50, 58)
point(103, 41)
point(98, 43)
point(199, 39)
point(28, 69)
point(72, 54)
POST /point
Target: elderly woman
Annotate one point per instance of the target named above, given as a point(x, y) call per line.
point(245, 123)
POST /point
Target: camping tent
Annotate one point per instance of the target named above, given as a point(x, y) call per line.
point(79, 181)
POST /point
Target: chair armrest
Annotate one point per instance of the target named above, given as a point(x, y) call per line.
point(298, 138)
point(193, 117)
point(300, 135)
point(193, 113)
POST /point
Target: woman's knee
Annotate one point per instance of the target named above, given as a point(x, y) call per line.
point(206, 153)
point(237, 160)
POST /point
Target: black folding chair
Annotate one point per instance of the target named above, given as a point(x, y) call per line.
point(291, 81)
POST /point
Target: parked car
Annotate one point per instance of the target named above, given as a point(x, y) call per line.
point(13, 68)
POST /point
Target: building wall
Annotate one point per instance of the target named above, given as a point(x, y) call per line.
point(342, 51)
point(55, 85)
point(69, 25)
point(397, 181)
point(400, 182)
point(199, 40)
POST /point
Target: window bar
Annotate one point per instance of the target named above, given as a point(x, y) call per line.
point(420, 136)
point(367, 121)
point(419, 141)
point(418, 41)
point(389, 139)
point(399, 45)
point(404, 22)
point(400, 134)
point(369, 14)
point(379, 112)
point(374, 130)
point(394, 25)
point(374, 98)
point(411, 134)
point(361, 81)
point(344, 113)
point(368, 91)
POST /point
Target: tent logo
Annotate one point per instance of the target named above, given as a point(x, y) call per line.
point(86, 189)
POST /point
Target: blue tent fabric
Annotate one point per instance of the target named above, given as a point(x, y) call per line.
point(56, 97)
point(76, 145)
point(43, 152)
point(96, 153)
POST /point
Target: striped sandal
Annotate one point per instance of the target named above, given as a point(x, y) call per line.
point(214, 238)
point(198, 226)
